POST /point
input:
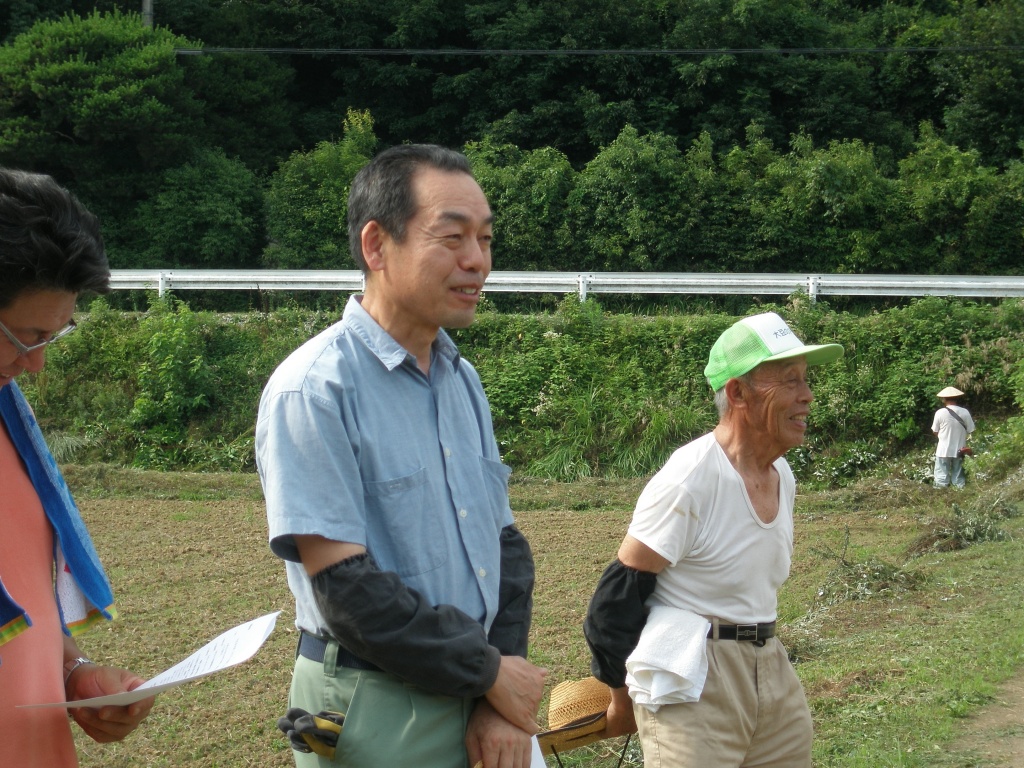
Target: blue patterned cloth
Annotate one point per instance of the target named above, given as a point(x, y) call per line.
point(82, 591)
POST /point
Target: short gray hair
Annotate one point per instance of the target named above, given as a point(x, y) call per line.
point(722, 400)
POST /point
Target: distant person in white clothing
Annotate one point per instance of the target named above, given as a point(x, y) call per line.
point(951, 425)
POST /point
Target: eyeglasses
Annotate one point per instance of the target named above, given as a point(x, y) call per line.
point(24, 350)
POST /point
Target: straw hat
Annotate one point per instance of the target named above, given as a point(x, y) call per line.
point(576, 715)
point(950, 392)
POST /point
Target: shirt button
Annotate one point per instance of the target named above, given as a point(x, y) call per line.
point(483, 573)
point(463, 513)
point(447, 453)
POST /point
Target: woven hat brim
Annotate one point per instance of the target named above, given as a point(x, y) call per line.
point(576, 734)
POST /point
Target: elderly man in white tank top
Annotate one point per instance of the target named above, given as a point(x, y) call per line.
point(707, 550)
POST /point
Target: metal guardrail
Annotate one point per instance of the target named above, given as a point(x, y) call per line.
point(585, 283)
point(236, 280)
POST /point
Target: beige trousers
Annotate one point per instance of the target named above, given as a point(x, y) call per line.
point(752, 712)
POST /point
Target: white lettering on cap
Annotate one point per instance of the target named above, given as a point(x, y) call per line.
point(774, 332)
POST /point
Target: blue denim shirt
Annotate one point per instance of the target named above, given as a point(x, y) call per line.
point(354, 443)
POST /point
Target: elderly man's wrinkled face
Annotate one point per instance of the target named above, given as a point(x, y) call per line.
point(781, 402)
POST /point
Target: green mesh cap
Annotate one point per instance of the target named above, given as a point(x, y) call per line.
point(760, 339)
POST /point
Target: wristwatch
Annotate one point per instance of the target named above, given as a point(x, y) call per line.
point(74, 664)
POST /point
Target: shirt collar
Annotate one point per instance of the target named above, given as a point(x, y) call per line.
point(384, 347)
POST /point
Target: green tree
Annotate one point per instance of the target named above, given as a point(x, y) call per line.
point(207, 214)
point(733, 246)
point(399, 90)
point(16, 16)
point(995, 225)
point(723, 91)
point(100, 103)
point(246, 111)
point(908, 82)
point(528, 193)
point(175, 384)
point(830, 210)
point(625, 210)
point(307, 200)
point(987, 113)
point(576, 104)
point(942, 184)
point(107, 107)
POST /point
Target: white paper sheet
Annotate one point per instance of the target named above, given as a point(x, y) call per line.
point(537, 760)
point(536, 756)
point(226, 650)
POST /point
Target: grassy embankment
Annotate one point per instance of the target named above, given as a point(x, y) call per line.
point(897, 641)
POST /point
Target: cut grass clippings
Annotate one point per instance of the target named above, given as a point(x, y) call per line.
point(898, 639)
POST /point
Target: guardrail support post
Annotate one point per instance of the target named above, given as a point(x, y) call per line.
point(582, 281)
point(162, 283)
point(812, 287)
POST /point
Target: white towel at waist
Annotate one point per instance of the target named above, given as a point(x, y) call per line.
point(670, 663)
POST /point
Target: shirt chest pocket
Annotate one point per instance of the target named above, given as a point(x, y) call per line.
point(405, 532)
point(495, 475)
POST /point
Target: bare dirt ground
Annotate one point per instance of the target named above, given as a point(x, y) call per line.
point(996, 734)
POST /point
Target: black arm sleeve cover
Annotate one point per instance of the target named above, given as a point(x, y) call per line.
point(511, 627)
point(378, 618)
point(615, 619)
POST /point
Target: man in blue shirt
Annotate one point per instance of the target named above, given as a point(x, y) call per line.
point(388, 500)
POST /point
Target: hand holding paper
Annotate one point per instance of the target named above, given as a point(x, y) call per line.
point(228, 649)
point(108, 723)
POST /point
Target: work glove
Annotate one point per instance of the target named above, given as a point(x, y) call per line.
point(312, 733)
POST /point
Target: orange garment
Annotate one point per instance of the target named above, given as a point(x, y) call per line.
point(31, 664)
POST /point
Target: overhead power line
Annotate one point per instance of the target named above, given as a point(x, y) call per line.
point(631, 52)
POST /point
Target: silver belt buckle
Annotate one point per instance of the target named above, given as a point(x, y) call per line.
point(746, 632)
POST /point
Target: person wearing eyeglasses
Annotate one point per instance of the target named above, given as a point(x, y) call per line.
point(52, 584)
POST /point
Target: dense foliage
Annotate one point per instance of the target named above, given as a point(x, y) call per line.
point(574, 393)
point(705, 135)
